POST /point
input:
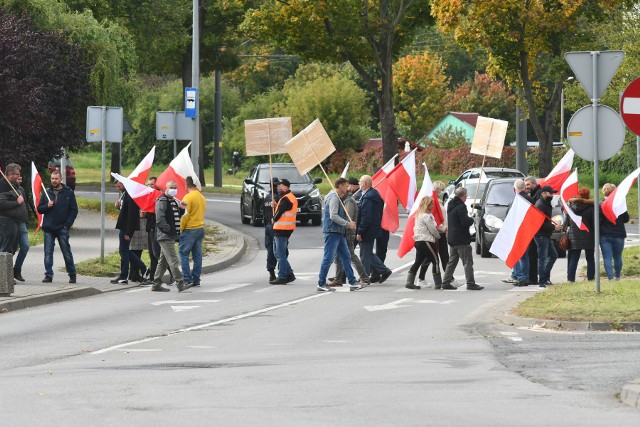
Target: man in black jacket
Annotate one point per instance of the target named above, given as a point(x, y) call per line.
point(547, 253)
point(13, 209)
point(60, 210)
point(459, 240)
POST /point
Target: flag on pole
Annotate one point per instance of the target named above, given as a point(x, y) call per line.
point(36, 192)
point(390, 217)
point(520, 226)
point(616, 203)
point(141, 172)
point(344, 172)
point(145, 197)
point(179, 169)
point(402, 180)
point(570, 189)
point(406, 243)
point(559, 173)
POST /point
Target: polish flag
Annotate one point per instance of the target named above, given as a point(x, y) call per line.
point(179, 169)
point(522, 223)
point(407, 242)
point(390, 217)
point(569, 190)
point(559, 173)
point(344, 172)
point(36, 192)
point(402, 180)
point(145, 197)
point(616, 203)
point(141, 172)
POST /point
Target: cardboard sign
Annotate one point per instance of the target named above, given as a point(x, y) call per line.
point(267, 136)
point(488, 139)
point(311, 146)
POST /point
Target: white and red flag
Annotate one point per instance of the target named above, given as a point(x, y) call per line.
point(520, 226)
point(406, 243)
point(570, 189)
point(616, 203)
point(402, 180)
point(36, 192)
point(141, 172)
point(145, 197)
point(390, 218)
point(344, 172)
point(179, 169)
point(559, 173)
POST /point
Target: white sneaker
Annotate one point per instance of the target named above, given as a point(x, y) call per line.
point(424, 284)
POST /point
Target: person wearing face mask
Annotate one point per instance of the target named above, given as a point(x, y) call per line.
point(168, 213)
point(547, 253)
point(128, 222)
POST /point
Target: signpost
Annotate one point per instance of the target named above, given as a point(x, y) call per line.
point(173, 125)
point(594, 70)
point(104, 124)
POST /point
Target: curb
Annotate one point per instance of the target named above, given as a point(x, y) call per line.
point(630, 394)
point(49, 298)
point(529, 322)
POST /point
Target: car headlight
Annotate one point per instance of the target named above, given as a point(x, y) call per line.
point(314, 193)
point(493, 221)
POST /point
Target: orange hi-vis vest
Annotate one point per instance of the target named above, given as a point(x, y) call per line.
point(287, 220)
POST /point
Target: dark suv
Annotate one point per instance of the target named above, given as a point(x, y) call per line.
point(491, 210)
point(256, 187)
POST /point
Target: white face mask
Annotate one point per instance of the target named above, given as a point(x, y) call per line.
point(172, 192)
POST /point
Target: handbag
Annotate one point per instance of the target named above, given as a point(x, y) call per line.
point(564, 242)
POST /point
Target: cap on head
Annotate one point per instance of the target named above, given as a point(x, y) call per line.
point(353, 181)
point(275, 180)
point(284, 182)
point(548, 189)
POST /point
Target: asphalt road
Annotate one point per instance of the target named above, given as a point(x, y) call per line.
point(238, 351)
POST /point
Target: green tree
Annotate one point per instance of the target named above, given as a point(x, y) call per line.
point(526, 41)
point(369, 35)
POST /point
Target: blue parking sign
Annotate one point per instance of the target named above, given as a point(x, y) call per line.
point(191, 102)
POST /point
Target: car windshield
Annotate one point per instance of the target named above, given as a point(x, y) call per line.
point(504, 174)
point(501, 194)
point(471, 190)
point(290, 174)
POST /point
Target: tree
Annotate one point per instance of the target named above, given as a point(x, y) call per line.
point(369, 35)
point(44, 93)
point(526, 41)
point(420, 87)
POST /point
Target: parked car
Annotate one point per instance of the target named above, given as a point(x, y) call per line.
point(475, 189)
point(491, 211)
point(474, 173)
point(54, 165)
point(256, 187)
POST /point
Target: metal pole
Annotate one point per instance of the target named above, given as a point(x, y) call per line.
point(102, 182)
point(521, 143)
point(175, 134)
point(195, 82)
point(63, 166)
point(596, 183)
point(562, 114)
point(217, 149)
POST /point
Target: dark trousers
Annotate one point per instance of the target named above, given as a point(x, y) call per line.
point(382, 243)
point(126, 255)
point(443, 254)
point(268, 244)
point(154, 251)
point(426, 253)
point(573, 256)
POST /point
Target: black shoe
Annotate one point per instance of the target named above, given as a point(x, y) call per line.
point(448, 286)
point(385, 276)
point(17, 274)
point(159, 288)
point(291, 278)
point(412, 286)
point(47, 279)
point(272, 275)
point(474, 287)
point(524, 282)
point(72, 278)
point(119, 280)
point(278, 281)
point(195, 284)
point(182, 286)
point(374, 279)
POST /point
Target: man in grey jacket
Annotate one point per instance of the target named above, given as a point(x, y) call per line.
point(168, 214)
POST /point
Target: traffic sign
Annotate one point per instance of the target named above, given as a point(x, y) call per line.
point(630, 106)
point(173, 125)
point(191, 102)
point(607, 64)
point(113, 123)
point(610, 130)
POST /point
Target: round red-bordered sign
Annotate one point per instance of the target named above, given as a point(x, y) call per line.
point(630, 106)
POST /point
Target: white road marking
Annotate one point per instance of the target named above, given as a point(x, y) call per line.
point(140, 350)
point(267, 289)
point(336, 341)
point(130, 291)
point(224, 201)
point(388, 306)
point(515, 339)
point(173, 301)
point(492, 273)
point(181, 308)
point(509, 334)
point(205, 347)
point(228, 287)
point(207, 325)
point(431, 301)
point(402, 267)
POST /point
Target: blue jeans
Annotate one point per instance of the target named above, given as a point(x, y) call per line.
point(547, 256)
point(280, 249)
point(612, 249)
point(125, 255)
point(268, 244)
point(49, 244)
point(335, 243)
point(23, 242)
point(191, 242)
point(369, 259)
point(521, 269)
point(573, 256)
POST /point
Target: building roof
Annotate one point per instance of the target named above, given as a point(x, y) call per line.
point(471, 118)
